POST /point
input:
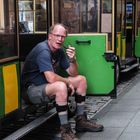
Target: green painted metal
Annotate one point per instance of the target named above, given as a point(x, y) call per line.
point(1, 95)
point(92, 64)
point(137, 44)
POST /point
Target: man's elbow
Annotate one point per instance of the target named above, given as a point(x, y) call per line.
point(74, 74)
point(50, 77)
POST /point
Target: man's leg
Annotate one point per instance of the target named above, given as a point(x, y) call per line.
point(82, 124)
point(59, 90)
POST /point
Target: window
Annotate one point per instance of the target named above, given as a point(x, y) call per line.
point(8, 36)
point(32, 16)
point(78, 15)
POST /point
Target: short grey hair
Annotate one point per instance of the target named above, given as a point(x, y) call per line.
point(53, 26)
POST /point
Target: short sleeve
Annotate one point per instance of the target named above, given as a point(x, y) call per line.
point(64, 62)
point(44, 61)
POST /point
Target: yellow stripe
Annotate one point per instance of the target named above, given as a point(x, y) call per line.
point(10, 88)
point(119, 44)
point(123, 48)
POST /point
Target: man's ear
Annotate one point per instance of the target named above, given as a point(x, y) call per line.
point(49, 36)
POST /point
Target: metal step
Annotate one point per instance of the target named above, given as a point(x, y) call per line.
point(129, 61)
point(130, 68)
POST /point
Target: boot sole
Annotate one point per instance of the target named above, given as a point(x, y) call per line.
point(89, 130)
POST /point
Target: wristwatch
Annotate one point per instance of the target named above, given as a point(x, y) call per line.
point(73, 60)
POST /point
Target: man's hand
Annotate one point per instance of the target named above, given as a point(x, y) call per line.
point(70, 87)
point(71, 90)
point(71, 53)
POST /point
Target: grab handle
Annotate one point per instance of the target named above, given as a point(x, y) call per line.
point(83, 41)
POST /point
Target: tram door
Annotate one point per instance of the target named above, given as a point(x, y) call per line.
point(9, 59)
point(91, 33)
point(129, 27)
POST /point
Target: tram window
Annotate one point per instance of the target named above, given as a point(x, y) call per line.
point(40, 15)
point(33, 12)
point(129, 8)
point(129, 14)
point(8, 47)
point(92, 20)
point(107, 6)
point(106, 22)
point(120, 16)
point(23, 27)
point(78, 15)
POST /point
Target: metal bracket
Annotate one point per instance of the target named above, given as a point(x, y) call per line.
point(110, 57)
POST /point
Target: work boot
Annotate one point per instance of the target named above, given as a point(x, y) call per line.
point(83, 125)
point(67, 133)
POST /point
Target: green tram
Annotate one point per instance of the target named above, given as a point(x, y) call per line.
point(105, 33)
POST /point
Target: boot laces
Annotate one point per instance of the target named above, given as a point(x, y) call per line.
point(88, 122)
point(69, 132)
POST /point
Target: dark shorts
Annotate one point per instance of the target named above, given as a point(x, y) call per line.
point(37, 94)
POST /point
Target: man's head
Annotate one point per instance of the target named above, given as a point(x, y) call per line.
point(57, 34)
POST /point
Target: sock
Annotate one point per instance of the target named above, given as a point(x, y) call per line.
point(80, 104)
point(80, 108)
point(63, 118)
point(62, 113)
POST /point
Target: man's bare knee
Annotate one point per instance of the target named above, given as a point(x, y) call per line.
point(61, 91)
point(82, 80)
point(60, 86)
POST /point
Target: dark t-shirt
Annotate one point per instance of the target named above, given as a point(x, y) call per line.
point(39, 60)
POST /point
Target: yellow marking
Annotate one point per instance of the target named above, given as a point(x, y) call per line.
point(118, 44)
point(10, 88)
point(123, 48)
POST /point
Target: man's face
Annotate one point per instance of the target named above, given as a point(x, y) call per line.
point(57, 37)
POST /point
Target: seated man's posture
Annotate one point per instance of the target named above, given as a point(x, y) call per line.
point(42, 82)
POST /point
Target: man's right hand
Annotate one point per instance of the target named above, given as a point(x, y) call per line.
point(71, 89)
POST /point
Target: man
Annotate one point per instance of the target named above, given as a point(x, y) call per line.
point(41, 81)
